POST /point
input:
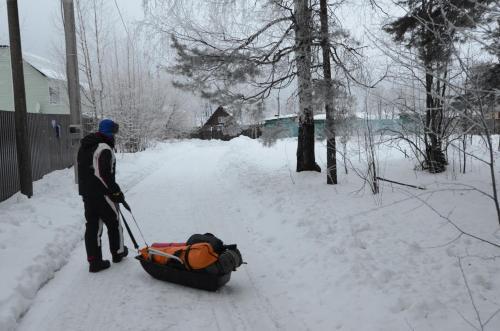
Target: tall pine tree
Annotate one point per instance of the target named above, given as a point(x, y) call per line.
point(431, 27)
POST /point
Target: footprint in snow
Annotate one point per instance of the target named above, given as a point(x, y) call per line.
point(483, 282)
point(270, 240)
point(401, 305)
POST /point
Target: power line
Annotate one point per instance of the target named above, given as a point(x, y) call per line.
point(121, 18)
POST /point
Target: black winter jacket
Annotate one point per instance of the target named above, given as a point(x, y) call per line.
point(96, 166)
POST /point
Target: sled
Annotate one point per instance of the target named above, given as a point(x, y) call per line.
point(195, 264)
point(191, 278)
point(203, 262)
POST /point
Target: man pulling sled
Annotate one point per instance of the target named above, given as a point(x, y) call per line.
point(101, 195)
point(202, 262)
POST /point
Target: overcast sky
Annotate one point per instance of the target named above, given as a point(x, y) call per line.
point(41, 32)
point(38, 20)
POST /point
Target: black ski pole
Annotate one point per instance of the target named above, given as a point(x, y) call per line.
point(129, 231)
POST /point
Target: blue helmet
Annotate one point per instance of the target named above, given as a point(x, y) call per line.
point(108, 128)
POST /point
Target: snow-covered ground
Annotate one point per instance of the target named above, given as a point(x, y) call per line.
point(319, 257)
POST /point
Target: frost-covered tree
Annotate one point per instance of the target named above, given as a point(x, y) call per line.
point(460, 80)
point(227, 65)
point(235, 51)
point(432, 28)
point(92, 31)
point(331, 147)
point(142, 98)
point(121, 80)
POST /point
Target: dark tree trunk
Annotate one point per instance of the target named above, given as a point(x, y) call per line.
point(331, 148)
point(303, 39)
point(435, 159)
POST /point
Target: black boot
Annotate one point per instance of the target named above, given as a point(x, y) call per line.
point(119, 256)
point(98, 265)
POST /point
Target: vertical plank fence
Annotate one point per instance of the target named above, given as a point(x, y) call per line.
point(50, 148)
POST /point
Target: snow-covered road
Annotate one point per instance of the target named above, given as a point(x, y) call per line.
point(178, 198)
point(319, 257)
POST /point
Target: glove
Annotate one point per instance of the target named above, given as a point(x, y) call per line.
point(117, 197)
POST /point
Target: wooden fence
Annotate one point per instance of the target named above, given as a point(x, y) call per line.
point(50, 147)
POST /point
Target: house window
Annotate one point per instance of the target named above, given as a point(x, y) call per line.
point(54, 95)
point(222, 120)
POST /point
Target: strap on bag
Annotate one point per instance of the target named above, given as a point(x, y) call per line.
point(160, 253)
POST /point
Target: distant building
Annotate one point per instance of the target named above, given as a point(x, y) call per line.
point(290, 128)
point(287, 124)
point(220, 125)
point(46, 91)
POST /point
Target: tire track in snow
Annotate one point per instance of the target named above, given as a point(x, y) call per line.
point(241, 316)
point(230, 160)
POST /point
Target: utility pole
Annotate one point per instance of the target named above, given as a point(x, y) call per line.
point(75, 128)
point(20, 114)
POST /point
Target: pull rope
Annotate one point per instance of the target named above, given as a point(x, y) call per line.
point(126, 205)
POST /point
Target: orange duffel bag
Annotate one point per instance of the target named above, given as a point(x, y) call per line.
point(193, 257)
point(202, 262)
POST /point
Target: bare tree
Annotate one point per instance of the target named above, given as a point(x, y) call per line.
point(122, 81)
point(218, 63)
point(468, 88)
point(92, 33)
point(228, 58)
point(431, 27)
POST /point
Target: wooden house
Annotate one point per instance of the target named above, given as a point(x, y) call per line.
point(220, 125)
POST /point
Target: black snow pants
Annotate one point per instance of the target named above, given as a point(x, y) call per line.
point(98, 211)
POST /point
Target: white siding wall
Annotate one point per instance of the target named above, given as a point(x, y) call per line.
point(36, 85)
point(62, 107)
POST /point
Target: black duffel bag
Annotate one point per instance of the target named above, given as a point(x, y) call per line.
point(215, 242)
point(229, 255)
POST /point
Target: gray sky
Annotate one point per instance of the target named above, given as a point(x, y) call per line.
point(41, 32)
point(38, 20)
